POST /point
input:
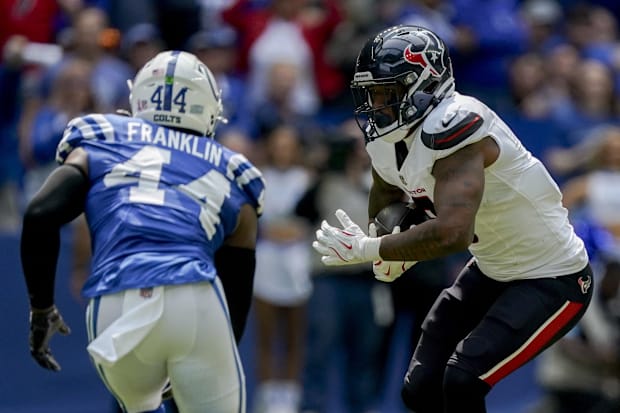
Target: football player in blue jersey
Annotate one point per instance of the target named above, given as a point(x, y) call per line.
point(529, 280)
point(173, 218)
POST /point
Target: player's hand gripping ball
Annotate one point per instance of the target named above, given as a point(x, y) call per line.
point(391, 220)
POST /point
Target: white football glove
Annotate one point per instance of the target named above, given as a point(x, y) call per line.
point(388, 271)
point(345, 246)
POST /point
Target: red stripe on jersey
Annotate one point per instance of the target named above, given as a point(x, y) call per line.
point(458, 132)
point(533, 345)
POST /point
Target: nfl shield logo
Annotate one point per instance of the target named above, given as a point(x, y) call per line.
point(146, 292)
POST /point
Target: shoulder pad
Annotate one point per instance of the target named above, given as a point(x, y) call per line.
point(94, 126)
point(451, 130)
point(248, 178)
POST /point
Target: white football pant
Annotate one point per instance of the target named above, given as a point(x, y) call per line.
point(141, 338)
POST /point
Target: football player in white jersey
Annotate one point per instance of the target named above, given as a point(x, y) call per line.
point(173, 219)
point(529, 280)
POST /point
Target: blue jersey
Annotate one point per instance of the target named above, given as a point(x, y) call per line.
point(161, 201)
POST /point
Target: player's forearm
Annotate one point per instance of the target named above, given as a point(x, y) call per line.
point(59, 201)
point(426, 241)
point(39, 250)
point(235, 267)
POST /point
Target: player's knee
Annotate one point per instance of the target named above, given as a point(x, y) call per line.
point(422, 391)
point(461, 386)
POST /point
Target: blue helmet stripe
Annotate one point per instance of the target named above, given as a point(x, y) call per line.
point(212, 87)
point(169, 79)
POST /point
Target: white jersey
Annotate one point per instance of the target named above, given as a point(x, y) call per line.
point(522, 229)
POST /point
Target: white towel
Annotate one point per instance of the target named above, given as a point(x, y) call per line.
point(140, 314)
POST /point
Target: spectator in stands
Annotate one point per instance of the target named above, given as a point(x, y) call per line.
point(110, 73)
point(597, 192)
point(242, 143)
point(108, 76)
point(489, 33)
point(37, 21)
point(21, 23)
point(348, 312)
point(361, 19)
point(282, 282)
point(295, 31)
point(140, 44)
point(528, 112)
point(527, 85)
point(217, 48)
point(605, 47)
point(70, 96)
point(588, 26)
point(126, 14)
point(604, 25)
point(278, 107)
point(435, 15)
point(542, 18)
point(560, 63)
point(591, 101)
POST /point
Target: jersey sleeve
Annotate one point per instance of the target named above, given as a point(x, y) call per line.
point(455, 126)
point(79, 130)
point(249, 179)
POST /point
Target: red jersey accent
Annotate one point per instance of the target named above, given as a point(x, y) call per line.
point(458, 132)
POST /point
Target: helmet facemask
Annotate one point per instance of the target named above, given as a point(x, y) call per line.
point(390, 108)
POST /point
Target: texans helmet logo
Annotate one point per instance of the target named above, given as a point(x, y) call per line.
point(427, 58)
point(418, 58)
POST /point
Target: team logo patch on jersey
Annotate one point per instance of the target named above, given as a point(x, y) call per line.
point(584, 283)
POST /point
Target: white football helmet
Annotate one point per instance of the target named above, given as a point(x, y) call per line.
point(176, 89)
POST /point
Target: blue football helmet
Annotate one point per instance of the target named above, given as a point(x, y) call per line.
point(401, 74)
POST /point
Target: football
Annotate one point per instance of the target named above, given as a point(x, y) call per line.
point(402, 214)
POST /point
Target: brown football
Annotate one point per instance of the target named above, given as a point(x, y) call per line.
point(402, 214)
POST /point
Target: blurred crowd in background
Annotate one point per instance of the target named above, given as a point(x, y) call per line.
point(551, 68)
